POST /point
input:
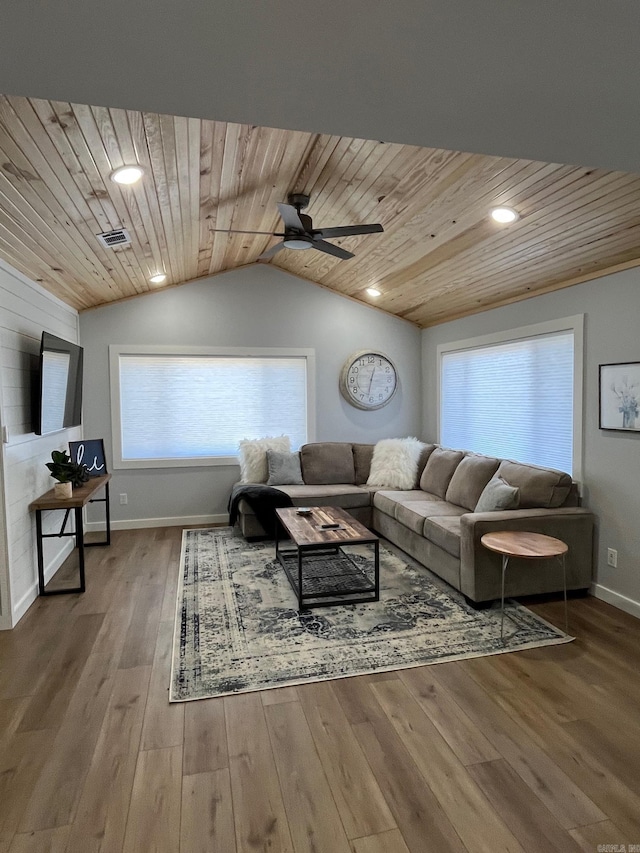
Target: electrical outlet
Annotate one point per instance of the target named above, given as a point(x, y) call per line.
point(612, 557)
point(124, 498)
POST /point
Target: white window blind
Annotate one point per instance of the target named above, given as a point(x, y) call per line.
point(513, 399)
point(191, 406)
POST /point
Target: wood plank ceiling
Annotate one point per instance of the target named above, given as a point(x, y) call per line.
point(440, 257)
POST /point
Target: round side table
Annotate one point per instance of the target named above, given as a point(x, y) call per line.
point(528, 546)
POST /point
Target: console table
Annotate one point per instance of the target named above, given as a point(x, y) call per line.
point(82, 495)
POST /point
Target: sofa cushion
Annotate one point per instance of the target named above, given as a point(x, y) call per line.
point(498, 495)
point(253, 456)
point(539, 487)
point(395, 463)
point(327, 462)
point(425, 453)
point(413, 513)
point(469, 479)
point(336, 494)
point(439, 470)
point(444, 531)
point(362, 454)
point(388, 502)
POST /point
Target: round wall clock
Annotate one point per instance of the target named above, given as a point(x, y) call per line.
point(368, 379)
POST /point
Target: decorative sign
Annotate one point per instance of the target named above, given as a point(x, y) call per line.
point(89, 452)
point(620, 396)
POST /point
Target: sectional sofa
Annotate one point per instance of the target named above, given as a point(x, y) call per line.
point(435, 521)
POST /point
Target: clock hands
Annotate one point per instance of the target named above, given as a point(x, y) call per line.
point(371, 380)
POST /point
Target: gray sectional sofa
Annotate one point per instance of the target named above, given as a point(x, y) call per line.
point(435, 521)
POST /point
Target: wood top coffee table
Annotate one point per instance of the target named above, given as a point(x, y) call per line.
point(320, 572)
point(527, 546)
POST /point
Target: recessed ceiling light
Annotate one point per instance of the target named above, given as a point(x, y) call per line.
point(504, 215)
point(372, 291)
point(158, 278)
point(127, 174)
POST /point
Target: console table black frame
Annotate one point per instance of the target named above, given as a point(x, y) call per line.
point(81, 496)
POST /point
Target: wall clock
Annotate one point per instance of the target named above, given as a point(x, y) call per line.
point(368, 379)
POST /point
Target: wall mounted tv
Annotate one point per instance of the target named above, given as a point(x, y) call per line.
point(57, 395)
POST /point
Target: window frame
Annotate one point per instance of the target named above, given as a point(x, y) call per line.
point(118, 350)
point(575, 324)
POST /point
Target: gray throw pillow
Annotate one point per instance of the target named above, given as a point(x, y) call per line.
point(284, 469)
point(498, 495)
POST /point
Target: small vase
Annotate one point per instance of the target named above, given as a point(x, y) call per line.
point(63, 490)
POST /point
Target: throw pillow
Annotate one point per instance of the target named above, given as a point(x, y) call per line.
point(253, 456)
point(498, 495)
point(394, 463)
point(284, 469)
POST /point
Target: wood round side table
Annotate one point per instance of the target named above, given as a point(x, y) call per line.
point(528, 546)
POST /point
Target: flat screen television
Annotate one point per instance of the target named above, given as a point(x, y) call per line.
point(57, 402)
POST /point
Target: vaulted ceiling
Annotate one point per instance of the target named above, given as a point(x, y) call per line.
point(440, 256)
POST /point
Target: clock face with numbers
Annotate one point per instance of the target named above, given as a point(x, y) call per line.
point(368, 379)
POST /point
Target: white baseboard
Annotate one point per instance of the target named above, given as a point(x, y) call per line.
point(172, 521)
point(21, 606)
point(615, 598)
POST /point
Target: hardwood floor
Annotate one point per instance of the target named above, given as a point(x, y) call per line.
point(531, 751)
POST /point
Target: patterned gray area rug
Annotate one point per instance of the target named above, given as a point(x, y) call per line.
point(238, 628)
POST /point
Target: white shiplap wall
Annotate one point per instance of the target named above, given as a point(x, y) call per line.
point(26, 310)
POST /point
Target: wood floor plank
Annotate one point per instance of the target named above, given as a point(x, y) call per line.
point(279, 694)
point(561, 795)
point(532, 823)
point(21, 763)
point(258, 809)
point(100, 820)
point(362, 807)
point(206, 823)
point(154, 815)
point(357, 699)
point(468, 810)
point(163, 720)
point(45, 841)
point(139, 645)
point(386, 842)
point(418, 814)
point(314, 820)
point(598, 836)
point(465, 739)
point(205, 737)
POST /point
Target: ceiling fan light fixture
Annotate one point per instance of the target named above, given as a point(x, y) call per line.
point(504, 215)
point(127, 174)
point(158, 278)
point(297, 243)
point(373, 291)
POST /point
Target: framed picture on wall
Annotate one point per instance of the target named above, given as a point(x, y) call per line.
point(620, 396)
point(89, 452)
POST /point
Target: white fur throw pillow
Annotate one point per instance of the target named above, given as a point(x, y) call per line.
point(253, 456)
point(395, 463)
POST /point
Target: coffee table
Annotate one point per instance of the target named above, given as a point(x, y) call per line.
point(341, 580)
point(528, 546)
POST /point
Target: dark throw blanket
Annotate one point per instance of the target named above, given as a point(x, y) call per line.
point(263, 500)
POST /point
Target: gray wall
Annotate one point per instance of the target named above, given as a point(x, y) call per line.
point(254, 306)
point(611, 464)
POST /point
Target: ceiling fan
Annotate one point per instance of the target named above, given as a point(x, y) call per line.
point(299, 232)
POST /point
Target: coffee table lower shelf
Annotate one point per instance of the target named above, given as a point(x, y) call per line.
point(349, 584)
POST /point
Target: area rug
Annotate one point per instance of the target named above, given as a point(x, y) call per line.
point(238, 628)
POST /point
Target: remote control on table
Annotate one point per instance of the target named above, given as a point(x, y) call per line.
point(329, 526)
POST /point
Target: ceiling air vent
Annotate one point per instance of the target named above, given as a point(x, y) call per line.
point(112, 239)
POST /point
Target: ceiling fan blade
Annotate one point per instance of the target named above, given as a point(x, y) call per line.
point(330, 249)
point(239, 231)
point(347, 231)
point(290, 217)
point(272, 251)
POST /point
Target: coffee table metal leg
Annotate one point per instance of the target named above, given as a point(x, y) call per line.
point(564, 580)
point(505, 563)
point(376, 558)
point(299, 578)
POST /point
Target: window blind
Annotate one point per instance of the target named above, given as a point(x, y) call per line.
point(512, 399)
point(179, 406)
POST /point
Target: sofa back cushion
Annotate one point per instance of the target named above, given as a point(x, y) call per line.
point(469, 479)
point(327, 462)
point(439, 470)
point(425, 453)
point(539, 487)
point(362, 455)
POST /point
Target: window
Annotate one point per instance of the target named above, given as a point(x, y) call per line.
point(517, 395)
point(191, 406)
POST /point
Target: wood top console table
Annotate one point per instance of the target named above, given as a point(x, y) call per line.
point(82, 495)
